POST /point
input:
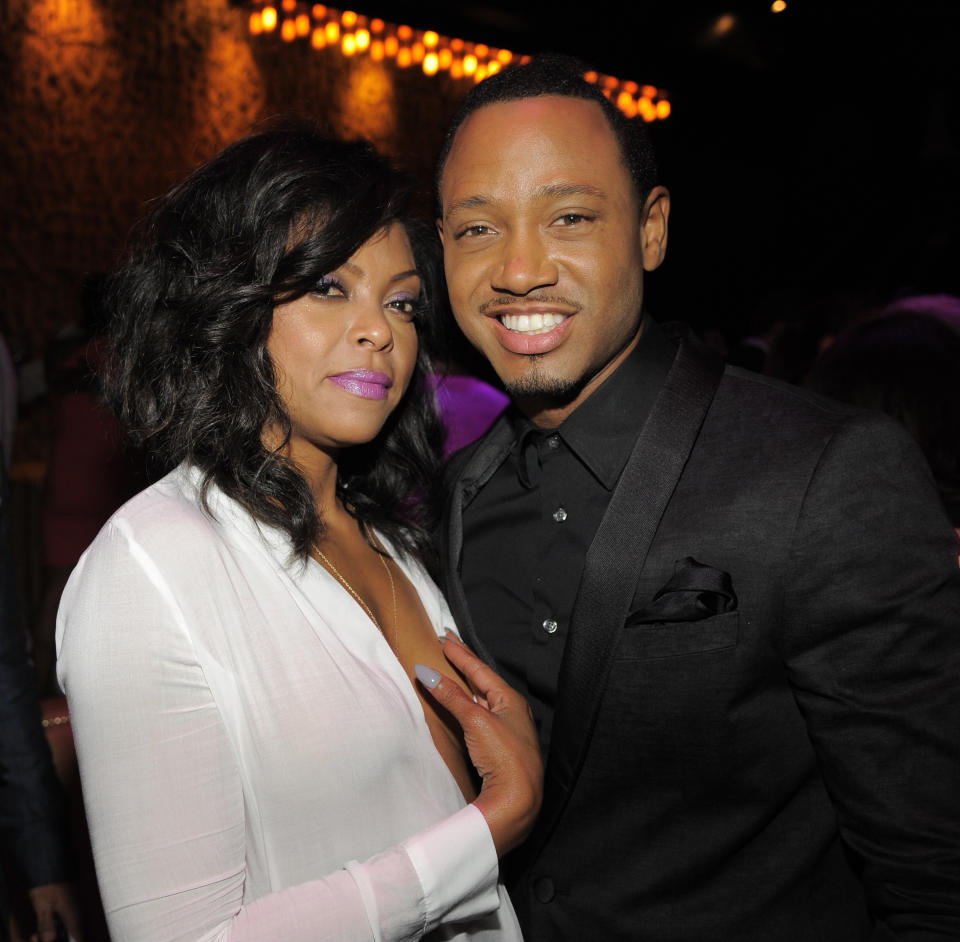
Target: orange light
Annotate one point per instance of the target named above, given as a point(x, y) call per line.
point(631, 87)
point(456, 69)
point(376, 50)
point(256, 24)
point(348, 45)
point(481, 50)
point(504, 56)
point(289, 6)
point(493, 67)
point(404, 58)
point(445, 58)
point(663, 108)
point(288, 31)
point(303, 24)
point(269, 19)
point(646, 109)
point(610, 83)
point(417, 52)
point(648, 91)
point(348, 18)
point(332, 30)
point(526, 60)
point(376, 26)
point(778, 6)
point(456, 45)
point(404, 33)
point(363, 40)
point(430, 39)
point(591, 77)
point(319, 11)
point(469, 65)
point(480, 74)
point(624, 101)
point(391, 46)
point(431, 63)
point(318, 38)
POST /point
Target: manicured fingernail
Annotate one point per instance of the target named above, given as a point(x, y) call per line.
point(427, 675)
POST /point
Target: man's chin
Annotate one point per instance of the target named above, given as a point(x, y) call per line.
point(540, 387)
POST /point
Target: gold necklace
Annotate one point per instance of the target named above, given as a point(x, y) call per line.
point(393, 591)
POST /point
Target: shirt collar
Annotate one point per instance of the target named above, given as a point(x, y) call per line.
point(602, 430)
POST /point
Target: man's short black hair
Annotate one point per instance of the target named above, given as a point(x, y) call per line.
point(557, 75)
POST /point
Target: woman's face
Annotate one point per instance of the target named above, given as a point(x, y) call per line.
point(344, 353)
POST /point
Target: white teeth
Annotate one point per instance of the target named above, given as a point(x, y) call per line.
point(531, 323)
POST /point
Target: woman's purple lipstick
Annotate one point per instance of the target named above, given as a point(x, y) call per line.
point(364, 383)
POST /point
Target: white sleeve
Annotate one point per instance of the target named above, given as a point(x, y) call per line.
point(164, 800)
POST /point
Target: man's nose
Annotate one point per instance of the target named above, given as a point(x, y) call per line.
point(524, 265)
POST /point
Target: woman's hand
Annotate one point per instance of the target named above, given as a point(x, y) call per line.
point(500, 736)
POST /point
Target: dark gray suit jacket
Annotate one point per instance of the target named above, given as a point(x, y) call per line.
point(757, 735)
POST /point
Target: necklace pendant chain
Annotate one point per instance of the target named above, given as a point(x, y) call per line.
point(356, 595)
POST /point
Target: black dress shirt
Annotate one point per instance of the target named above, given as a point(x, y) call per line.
point(527, 532)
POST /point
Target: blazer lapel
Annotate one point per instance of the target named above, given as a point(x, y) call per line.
point(615, 558)
point(479, 467)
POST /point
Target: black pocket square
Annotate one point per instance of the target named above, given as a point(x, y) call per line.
point(694, 592)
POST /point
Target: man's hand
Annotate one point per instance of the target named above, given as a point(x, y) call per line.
point(55, 899)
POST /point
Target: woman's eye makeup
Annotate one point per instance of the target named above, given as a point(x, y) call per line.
point(407, 305)
point(329, 287)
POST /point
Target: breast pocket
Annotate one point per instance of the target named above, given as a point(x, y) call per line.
point(679, 638)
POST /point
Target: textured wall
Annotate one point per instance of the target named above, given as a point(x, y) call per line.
point(105, 103)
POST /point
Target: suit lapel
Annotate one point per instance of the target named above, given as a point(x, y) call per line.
point(480, 464)
point(613, 562)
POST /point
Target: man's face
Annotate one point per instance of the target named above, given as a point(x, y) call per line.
point(545, 247)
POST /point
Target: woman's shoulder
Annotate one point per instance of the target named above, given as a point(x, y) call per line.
point(168, 519)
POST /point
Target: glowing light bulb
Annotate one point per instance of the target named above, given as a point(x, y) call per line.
point(469, 64)
point(319, 11)
point(318, 38)
point(663, 109)
point(404, 57)
point(256, 24)
point(445, 58)
point(404, 33)
point(303, 24)
point(332, 30)
point(363, 40)
point(431, 63)
point(348, 45)
point(391, 46)
point(348, 18)
point(430, 39)
point(289, 6)
point(778, 6)
point(376, 26)
point(481, 51)
point(269, 19)
point(376, 50)
point(504, 56)
point(288, 31)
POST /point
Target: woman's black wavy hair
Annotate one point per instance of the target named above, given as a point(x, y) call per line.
point(190, 376)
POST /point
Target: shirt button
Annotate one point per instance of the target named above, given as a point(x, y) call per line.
point(550, 626)
point(559, 515)
point(543, 889)
point(553, 441)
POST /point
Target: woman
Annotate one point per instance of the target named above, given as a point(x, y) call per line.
point(239, 644)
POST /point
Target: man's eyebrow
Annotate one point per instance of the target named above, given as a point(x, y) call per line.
point(548, 191)
point(561, 190)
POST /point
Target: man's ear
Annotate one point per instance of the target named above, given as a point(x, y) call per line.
point(653, 227)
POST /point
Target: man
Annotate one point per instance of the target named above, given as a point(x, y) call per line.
point(32, 807)
point(733, 606)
